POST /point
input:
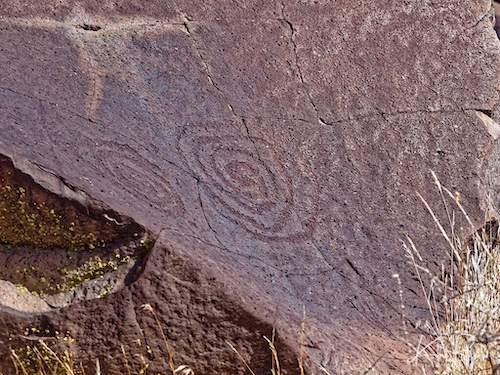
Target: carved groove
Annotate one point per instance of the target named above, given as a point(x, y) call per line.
point(134, 173)
point(248, 182)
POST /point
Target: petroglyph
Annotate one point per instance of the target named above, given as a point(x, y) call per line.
point(100, 43)
point(134, 173)
point(251, 184)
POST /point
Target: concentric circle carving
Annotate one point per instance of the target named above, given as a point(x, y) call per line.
point(129, 169)
point(246, 180)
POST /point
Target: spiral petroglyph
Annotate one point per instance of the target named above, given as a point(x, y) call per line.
point(134, 173)
point(246, 180)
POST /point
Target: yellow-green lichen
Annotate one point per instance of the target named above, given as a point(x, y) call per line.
point(77, 243)
point(105, 291)
point(24, 222)
point(46, 357)
point(21, 287)
point(147, 244)
point(66, 277)
point(93, 269)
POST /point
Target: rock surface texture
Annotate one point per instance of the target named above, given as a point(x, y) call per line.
point(272, 150)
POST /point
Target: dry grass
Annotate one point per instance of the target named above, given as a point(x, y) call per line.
point(43, 359)
point(464, 300)
point(275, 362)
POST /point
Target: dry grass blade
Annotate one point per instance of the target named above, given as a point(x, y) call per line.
point(465, 321)
point(275, 367)
point(443, 231)
point(170, 351)
point(126, 360)
point(240, 357)
point(180, 370)
point(373, 365)
point(65, 362)
point(429, 296)
point(301, 341)
point(41, 359)
point(18, 363)
point(183, 370)
point(144, 363)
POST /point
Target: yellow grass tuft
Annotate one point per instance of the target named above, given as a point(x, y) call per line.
point(464, 300)
point(42, 359)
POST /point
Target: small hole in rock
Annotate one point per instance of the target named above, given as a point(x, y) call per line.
point(487, 112)
point(89, 27)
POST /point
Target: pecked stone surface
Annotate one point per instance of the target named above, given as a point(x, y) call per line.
point(273, 150)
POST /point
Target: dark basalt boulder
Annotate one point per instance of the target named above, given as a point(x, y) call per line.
point(262, 157)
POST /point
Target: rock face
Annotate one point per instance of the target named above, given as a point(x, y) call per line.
point(496, 12)
point(272, 152)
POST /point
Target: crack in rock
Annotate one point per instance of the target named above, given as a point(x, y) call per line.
point(297, 62)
